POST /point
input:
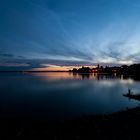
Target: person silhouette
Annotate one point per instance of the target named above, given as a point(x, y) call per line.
point(129, 91)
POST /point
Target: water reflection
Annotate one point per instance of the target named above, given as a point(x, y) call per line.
point(63, 94)
point(64, 75)
point(80, 76)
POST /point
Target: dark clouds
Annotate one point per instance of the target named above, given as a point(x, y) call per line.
point(69, 32)
point(7, 55)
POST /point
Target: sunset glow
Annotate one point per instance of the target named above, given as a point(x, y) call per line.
point(68, 33)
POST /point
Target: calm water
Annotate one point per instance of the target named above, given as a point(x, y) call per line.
point(55, 96)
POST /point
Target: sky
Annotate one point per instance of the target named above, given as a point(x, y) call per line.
point(51, 34)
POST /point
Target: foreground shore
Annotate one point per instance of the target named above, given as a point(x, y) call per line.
point(116, 126)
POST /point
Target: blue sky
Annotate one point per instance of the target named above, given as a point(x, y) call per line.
point(69, 32)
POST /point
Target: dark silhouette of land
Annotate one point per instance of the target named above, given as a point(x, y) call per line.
point(124, 69)
point(28, 71)
point(116, 126)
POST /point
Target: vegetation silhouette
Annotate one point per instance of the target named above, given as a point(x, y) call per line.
point(133, 70)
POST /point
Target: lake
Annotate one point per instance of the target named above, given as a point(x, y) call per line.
point(63, 95)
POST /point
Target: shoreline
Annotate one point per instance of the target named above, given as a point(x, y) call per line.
point(122, 124)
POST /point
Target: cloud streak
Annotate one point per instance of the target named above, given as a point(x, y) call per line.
point(56, 32)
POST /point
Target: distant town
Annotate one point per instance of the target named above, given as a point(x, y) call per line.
point(133, 70)
point(124, 69)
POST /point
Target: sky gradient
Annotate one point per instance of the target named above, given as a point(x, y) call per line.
point(53, 33)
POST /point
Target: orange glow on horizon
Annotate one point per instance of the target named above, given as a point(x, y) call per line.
point(57, 68)
point(51, 69)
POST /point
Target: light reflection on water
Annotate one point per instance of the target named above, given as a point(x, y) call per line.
point(63, 75)
point(63, 95)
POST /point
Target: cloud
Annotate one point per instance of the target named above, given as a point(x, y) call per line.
point(57, 33)
point(5, 55)
point(14, 65)
point(10, 56)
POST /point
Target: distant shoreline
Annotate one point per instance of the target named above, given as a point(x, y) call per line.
point(102, 73)
point(29, 71)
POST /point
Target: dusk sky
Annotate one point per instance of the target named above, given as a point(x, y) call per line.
point(53, 33)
